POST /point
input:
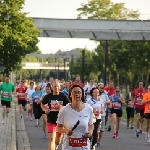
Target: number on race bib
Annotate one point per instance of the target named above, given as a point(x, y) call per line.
point(77, 142)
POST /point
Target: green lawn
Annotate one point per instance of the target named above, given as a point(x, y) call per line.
point(124, 116)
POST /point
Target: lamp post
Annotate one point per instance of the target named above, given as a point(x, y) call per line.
point(83, 59)
point(106, 62)
point(65, 68)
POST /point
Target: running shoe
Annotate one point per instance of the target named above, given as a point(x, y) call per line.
point(109, 128)
point(30, 118)
point(137, 132)
point(147, 140)
point(127, 126)
point(114, 136)
point(140, 130)
point(2, 121)
point(93, 148)
point(117, 136)
point(131, 127)
point(98, 145)
point(45, 137)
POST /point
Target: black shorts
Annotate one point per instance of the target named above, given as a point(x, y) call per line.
point(43, 112)
point(147, 115)
point(140, 111)
point(130, 112)
point(22, 102)
point(6, 103)
point(118, 112)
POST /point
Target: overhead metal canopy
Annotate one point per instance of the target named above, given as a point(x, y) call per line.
point(94, 29)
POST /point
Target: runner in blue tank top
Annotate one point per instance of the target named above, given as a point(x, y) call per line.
point(117, 100)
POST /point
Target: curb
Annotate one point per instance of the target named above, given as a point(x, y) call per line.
point(13, 119)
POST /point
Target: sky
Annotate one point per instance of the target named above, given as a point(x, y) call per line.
point(66, 9)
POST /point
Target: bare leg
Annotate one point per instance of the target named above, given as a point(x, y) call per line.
point(58, 139)
point(114, 119)
point(4, 112)
point(51, 143)
point(44, 123)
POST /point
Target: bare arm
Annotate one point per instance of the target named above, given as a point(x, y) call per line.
point(47, 111)
point(60, 128)
point(145, 101)
point(122, 100)
point(90, 130)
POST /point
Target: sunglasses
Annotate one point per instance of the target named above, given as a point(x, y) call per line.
point(117, 91)
point(101, 87)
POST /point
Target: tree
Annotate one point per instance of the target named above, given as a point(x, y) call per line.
point(105, 9)
point(18, 37)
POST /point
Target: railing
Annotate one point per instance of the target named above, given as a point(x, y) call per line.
point(34, 64)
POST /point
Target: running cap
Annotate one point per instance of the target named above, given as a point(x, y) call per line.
point(101, 84)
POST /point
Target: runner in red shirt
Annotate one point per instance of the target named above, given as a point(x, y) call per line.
point(137, 97)
point(21, 89)
point(110, 89)
point(77, 82)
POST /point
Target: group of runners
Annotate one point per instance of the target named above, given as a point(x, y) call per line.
point(79, 113)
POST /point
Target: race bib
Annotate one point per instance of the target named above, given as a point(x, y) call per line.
point(116, 105)
point(96, 114)
point(77, 142)
point(22, 95)
point(6, 94)
point(139, 101)
point(36, 97)
point(55, 104)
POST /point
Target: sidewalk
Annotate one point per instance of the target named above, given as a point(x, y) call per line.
point(21, 133)
point(8, 131)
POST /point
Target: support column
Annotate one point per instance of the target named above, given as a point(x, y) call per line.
point(83, 61)
point(106, 63)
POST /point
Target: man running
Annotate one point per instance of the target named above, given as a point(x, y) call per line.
point(146, 101)
point(88, 88)
point(137, 97)
point(55, 101)
point(21, 90)
point(106, 101)
point(6, 89)
point(77, 82)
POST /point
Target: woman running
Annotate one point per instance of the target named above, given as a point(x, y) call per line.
point(117, 100)
point(44, 116)
point(75, 120)
point(129, 109)
point(29, 93)
point(37, 110)
point(98, 109)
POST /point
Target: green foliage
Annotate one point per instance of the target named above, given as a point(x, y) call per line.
point(18, 37)
point(128, 58)
point(105, 9)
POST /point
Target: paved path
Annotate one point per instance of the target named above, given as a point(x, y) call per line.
point(126, 141)
point(8, 131)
